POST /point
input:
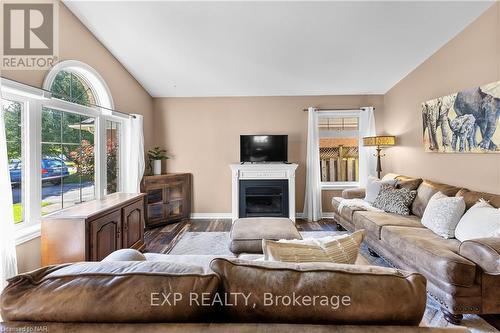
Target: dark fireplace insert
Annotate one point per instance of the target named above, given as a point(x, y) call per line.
point(266, 197)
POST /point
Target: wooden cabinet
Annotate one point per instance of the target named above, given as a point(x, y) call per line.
point(105, 235)
point(168, 198)
point(92, 230)
point(133, 225)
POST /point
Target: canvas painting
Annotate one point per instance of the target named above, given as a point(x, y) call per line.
point(465, 122)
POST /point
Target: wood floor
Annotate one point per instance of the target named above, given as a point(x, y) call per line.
point(162, 239)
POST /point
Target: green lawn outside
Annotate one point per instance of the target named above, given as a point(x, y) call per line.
point(18, 211)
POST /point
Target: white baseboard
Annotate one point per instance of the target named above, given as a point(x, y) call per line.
point(195, 216)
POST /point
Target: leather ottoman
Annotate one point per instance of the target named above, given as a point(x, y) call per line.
point(247, 233)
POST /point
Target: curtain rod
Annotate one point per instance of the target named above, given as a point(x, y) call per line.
point(338, 109)
point(41, 89)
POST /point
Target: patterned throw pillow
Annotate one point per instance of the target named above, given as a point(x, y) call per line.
point(442, 214)
point(337, 249)
point(393, 200)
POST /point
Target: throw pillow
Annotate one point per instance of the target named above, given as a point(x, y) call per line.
point(373, 187)
point(389, 176)
point(443, 213)
point(481, 221)
point(337, 249)
point(393, 200)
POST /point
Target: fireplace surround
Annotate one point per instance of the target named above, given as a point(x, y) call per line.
point(263, 189)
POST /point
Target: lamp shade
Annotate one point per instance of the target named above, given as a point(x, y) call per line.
point(382, 140)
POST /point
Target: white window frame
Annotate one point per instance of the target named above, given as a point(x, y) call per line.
point(340, 114)
point(34, 100)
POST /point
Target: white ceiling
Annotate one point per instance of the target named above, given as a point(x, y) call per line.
point(273, 48)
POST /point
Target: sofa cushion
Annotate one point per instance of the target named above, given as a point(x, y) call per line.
point(375, 294)
point(472, 197)
point(435, 257)
point(425, 192)
point(118, 292)
point(373, 222)
point(202, 261)
point(409, 183)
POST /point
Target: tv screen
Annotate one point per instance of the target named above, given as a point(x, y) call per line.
point(263, 148)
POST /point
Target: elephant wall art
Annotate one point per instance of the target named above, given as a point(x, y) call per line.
point(465, 122)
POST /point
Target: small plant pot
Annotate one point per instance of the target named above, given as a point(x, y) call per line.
point(157, 167)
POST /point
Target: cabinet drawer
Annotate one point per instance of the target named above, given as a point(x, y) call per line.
point(160, 181)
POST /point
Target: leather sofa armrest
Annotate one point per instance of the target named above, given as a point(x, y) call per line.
point(484, 252)
point(353, 193)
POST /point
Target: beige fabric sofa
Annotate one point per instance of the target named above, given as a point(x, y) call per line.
point(113, 296)
point(462, 277)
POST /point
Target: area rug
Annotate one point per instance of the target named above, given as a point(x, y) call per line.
point(216, 243)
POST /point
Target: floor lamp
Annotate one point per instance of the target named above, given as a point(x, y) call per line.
point(379, 141)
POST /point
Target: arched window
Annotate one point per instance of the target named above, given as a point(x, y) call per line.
point(73, 88)
point(77, 82)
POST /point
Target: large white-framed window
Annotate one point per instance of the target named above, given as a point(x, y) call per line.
point(339, 138)
point(63, 144)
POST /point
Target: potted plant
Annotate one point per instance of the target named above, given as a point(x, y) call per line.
point(157, 155)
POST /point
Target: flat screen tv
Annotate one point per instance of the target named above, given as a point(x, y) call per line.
point(263, 148)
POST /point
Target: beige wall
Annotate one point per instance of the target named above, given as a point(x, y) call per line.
point(77, 43)
point(202, 135)
point(472, 58)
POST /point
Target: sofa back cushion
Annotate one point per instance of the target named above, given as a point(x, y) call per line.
point(323, 293)
point(472, 197)
point(425, 192)
point(114, 292)
point(409, 183)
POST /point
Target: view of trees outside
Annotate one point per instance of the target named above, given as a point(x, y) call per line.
point(112, 157)
point(70, 87)
point(67, 149)
point(12, 112)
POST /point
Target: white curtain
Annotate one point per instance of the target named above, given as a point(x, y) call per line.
point(134, 164)
point(8, 261)
point(312, 202)
point(367, 160)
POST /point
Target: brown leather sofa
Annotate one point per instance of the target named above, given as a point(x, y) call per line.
point(115, 296)
point(462, 277)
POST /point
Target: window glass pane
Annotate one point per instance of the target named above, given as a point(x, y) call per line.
point(67, 161)
point(12, 112)
point(73, 88)
point(338, 148)
point(112, 156)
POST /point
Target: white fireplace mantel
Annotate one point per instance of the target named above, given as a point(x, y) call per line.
point(248, 171)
